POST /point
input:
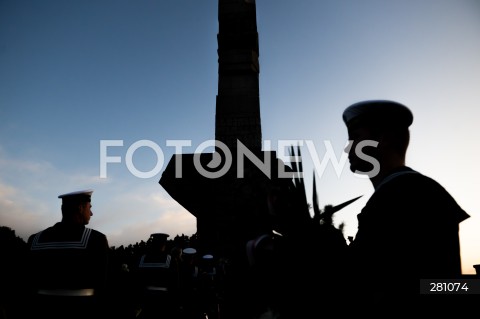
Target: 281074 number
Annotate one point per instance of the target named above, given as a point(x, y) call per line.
point(448, 286)
point(459, 286)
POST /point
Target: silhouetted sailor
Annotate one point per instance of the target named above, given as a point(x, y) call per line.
point(408, 229)
point(68, 263)
point(209, 286)
point(158, 279)
point(190, 282)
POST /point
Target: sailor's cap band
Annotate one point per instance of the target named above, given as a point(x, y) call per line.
point(189, 251)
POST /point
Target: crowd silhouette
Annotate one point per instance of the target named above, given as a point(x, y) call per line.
point(198, 293)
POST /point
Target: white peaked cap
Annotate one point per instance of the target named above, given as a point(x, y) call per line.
point(189, 251)
point(77, 196)
point(87, 192)
point(379, 112)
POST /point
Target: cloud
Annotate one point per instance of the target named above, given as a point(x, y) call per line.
point(139, 212)
point(20, 212)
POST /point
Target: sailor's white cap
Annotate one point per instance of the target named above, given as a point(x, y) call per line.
point(77, 196)
point(189, 251)
point(208, 256)
point(378, 112)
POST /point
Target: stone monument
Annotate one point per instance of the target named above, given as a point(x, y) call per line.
point(232, 208)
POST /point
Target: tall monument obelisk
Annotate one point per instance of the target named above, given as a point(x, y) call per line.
point(229, 210)
point(238, 101)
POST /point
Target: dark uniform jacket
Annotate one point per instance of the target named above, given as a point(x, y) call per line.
point(157, 278)
point(68, 256)
point(407, 231)
point(156, 271)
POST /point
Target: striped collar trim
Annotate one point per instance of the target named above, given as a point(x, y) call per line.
point(80, 244)
point(165, 264)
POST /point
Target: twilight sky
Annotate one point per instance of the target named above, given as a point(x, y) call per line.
point(75, 73)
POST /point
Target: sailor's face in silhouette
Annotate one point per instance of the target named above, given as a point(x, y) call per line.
point(85, 213)
point(362, 148)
